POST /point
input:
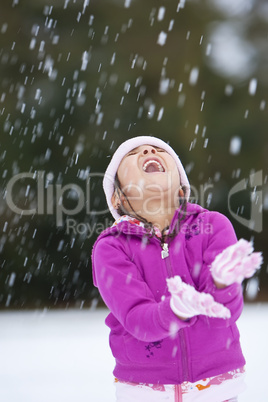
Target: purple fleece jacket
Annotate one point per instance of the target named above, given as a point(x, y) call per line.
point(149, 342)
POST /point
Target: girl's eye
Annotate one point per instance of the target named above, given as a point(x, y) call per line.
point(131, 153)
point(160, 150)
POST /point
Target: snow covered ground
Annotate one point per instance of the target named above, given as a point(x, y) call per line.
point(64, 355)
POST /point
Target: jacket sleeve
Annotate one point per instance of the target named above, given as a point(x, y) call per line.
point(221, 235)
point(128, 296)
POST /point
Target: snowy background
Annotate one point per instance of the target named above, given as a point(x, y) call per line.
point(77, 78)
point(63, 355)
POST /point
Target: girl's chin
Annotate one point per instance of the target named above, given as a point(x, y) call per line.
point(159, 186)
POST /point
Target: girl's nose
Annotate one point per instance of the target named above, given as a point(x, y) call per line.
point(148, 149)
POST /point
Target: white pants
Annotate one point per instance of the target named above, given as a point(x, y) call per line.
point(173, 393)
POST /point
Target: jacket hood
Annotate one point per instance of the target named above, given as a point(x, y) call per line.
point(122, 150)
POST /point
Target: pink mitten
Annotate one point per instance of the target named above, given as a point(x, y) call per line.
point(187, 302)
point(236, 263)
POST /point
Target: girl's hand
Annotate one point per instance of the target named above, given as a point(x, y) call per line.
point(235, 263)
point(187, 302)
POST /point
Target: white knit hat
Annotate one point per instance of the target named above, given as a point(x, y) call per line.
point(122, 150)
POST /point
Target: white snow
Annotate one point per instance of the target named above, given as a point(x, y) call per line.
point(164, 86)
point(85, 60)
point(160, 114)
point(127, 3)
point(229, 89)
point(65, 356)
point(235, 145)
point(229, 51)
point(194, 74)
point(252, 88)
point(233, 7)
point(161, 13)
point(162, 37)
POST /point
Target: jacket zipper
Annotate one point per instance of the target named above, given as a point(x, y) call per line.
point(185, 370)
point(165, 256)
point(178, 393)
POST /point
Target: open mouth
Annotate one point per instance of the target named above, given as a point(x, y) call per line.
point(153, 166)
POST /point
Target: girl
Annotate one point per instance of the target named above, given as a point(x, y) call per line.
point(170, 272)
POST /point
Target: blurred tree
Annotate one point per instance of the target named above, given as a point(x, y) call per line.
point(79, 77)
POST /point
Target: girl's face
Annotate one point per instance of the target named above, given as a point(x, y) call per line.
point(149, 171)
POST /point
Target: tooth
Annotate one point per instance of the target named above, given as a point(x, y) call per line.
point(160, 168)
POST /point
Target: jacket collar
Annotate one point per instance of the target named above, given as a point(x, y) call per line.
point(135, 221)
point(131, 226)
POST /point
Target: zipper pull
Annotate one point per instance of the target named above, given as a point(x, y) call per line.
point(164, 252)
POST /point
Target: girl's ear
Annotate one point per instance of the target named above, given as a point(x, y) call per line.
point(181, 192)
point(116, 202)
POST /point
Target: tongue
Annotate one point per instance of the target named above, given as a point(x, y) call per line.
point(152, 168)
